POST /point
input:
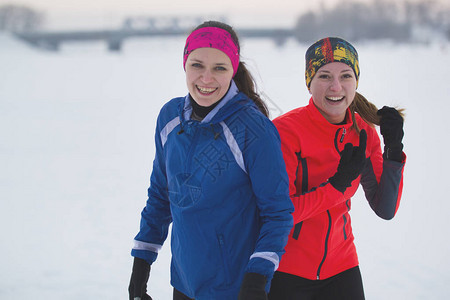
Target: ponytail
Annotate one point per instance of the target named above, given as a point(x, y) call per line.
point(366, 110)
point(246, 84)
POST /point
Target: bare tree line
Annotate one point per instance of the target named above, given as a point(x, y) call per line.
point(379, 19)
point(350, 19)
point(19, 18)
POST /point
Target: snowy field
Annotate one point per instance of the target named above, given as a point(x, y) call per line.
point(76, 147)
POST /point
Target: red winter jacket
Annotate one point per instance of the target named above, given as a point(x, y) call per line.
point(321, 242)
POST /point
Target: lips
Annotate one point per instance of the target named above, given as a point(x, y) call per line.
point(205, 90)
point(335, 99)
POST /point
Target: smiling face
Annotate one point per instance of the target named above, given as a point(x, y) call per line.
point(208, 75)
point(333, 89)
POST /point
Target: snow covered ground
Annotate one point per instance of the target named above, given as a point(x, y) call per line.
point(76, 147)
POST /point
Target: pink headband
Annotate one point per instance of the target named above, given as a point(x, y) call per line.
point(212, 37)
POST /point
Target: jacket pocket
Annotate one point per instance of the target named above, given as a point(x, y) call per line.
point(297, 229)
point(345, 224)
point(225, 259)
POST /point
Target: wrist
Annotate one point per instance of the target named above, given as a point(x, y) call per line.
point(393, 153)
point(255, 279)
point(253, 287)
point(141, 265)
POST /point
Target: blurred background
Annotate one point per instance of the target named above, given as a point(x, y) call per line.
point(82, 83)
point(403, 21)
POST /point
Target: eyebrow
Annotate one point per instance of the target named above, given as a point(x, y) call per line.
point(326, 71)
point(200, 61)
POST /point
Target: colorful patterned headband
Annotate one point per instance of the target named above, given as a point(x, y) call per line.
point(212, 37)
point(328, 50)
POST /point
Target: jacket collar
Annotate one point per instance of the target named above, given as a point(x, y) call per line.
point(187, 109)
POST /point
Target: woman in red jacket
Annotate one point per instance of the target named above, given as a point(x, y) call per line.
point(330, 147)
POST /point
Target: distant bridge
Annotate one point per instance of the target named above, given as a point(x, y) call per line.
point(141, 27)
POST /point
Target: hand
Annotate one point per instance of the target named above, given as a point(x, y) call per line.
point(391, 128)
point(139, 277)
point(253, 287)
point(351, 164)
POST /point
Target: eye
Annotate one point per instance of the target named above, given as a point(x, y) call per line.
point(220, 68)
point(347, 75)
point(324, 76)
point(196, 65)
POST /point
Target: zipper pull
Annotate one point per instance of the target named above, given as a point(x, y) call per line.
point(344, 131)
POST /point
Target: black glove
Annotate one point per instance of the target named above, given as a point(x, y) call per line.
point(351, 164)
point(253, 287)
point(139, 278)
point(391, 128)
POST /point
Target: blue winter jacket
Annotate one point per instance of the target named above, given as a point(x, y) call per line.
point(222, 182)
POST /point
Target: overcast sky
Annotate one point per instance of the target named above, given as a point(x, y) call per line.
point(176, 6)
point(272, 11)
point(79, 13)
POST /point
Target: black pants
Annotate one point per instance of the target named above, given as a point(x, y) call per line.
point(177, 295)
point(343, 286)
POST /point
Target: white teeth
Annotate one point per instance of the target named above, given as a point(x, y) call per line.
point(206, 90)
point(335, 98)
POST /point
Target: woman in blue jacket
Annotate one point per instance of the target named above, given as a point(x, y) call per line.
point(218, 177)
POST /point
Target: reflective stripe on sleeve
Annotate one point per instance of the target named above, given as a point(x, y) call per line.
point(138, 245)
point(270, 256)
point(168, 129)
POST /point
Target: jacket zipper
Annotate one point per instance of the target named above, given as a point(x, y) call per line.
point(326, 245)
point(341, 140)
point(344, 131)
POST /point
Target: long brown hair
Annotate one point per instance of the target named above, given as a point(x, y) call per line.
point(366, 110)
point(243, 78)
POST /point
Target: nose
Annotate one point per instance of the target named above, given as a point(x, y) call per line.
point(335, 85)
point(207, 76)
